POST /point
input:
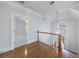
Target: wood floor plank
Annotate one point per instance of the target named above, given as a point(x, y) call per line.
point(37, 50)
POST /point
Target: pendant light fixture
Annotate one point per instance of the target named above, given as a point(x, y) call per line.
point(57, 18)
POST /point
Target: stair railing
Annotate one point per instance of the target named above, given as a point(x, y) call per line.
point(58, 37)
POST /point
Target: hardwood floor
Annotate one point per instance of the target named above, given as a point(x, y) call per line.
point(37, 50)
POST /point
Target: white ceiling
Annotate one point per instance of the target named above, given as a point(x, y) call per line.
point(39, 6)
point(43, 7)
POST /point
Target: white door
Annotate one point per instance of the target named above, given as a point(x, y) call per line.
point(20, 32)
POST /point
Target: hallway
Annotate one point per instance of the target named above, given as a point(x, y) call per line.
point(23, 24)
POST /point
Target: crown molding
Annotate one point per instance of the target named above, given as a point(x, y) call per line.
point(18, 5)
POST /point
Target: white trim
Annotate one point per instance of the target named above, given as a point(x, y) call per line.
point(19, 15)
point(72, 50)
point(75, 6)
point(13, 28)
point(12, 34)
point(5, 50)
point(24, 8)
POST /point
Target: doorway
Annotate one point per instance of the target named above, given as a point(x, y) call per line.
point(18, 30)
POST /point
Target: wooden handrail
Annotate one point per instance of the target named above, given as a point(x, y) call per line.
point(49, 33)
point(59, 38)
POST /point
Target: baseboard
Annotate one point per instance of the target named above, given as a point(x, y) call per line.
point(65, 48)
point(31, 42)
point(71, 51)
point(44, 43)
point(9, 48)
point(21, 45)
point(5, 50)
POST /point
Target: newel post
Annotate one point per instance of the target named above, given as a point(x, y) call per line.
point(59, 43)
point(38, 35)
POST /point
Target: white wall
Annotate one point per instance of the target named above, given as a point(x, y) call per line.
point(75, 13)
point(45, 27)
point(72, 32)
point(78, 37)
point(5, 18)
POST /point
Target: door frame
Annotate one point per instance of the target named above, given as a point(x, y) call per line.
point(25, 18)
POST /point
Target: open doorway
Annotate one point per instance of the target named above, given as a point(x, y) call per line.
point(18, 30)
